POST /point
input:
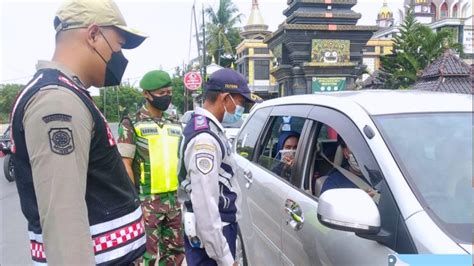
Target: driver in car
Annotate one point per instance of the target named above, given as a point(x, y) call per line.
point(336, 179)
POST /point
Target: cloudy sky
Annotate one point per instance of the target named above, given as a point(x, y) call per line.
point(28, 35)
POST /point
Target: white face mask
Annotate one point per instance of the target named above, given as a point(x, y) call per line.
point(288, 153)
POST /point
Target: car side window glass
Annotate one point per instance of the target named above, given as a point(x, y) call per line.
point(336, 165)
point(281, 142)
point(248, 136)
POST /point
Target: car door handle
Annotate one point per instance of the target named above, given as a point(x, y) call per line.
point(295, 215)
point(249, 178)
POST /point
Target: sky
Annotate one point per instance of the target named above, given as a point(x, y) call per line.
point(26, 29)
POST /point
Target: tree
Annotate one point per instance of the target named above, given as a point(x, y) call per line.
point(119, 101)
point(178, 88)
point(8, 93)
point(414, 49)
point(222, 34)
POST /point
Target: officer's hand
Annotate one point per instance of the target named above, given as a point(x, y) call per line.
point(235, 264)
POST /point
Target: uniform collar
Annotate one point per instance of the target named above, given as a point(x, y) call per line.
point(43, 64)
point(144, 113)
point(206, 113)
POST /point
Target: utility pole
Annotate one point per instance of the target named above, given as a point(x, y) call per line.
point(186, 108)
point(105, 102)
point(118, 102)
point(197, 31)
point(203, 46)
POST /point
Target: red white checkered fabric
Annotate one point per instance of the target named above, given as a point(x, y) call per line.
point(102, 242)
point(37, 250)
point(118, 237)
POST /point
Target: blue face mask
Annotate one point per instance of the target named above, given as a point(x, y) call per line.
point(236, 116)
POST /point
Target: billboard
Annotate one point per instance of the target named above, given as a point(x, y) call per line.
point(328, 84)
point(330, 51)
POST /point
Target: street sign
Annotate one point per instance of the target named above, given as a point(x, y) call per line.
point(328, 84)
point(192, 81)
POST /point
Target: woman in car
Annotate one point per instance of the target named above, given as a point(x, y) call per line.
point(286, 147)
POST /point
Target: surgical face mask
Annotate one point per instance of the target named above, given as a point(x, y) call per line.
point(236, 116)
point(353, 163)
point(160, 102)
point(288, 153)
point(115, 67)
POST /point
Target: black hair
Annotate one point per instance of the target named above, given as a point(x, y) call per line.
point(211, 96)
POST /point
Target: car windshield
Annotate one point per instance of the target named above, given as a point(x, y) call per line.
point(237, 124)
point(434, 153)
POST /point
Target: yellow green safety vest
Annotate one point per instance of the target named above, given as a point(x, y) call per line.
point(157, 156)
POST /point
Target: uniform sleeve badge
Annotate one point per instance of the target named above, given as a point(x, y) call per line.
point(61, 141)
point(204, 162)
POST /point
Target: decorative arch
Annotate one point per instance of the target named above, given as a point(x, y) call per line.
point(434, 10)
point(443, 10)
point(455, 12)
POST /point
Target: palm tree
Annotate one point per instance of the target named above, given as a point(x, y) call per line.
point(222, 34)
point(414, 49)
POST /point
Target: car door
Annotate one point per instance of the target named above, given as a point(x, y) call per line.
point(258, 250)
point(263, 190)
point(312, 243)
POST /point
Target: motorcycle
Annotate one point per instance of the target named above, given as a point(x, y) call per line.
point(5, 152)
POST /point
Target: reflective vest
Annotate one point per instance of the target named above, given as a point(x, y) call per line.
point(113, 206)
point(156, 159)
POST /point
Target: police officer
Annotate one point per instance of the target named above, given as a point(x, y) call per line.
point(74, 191)
point(149, 145)
point(208, 186)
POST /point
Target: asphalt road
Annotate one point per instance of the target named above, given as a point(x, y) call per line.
point(14, 243)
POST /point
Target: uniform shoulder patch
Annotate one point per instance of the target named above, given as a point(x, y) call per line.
point(200, 122)
point(204, 162)
point(61, 141)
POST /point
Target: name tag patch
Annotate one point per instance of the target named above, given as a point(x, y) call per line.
point(61, 141)
point(57, 117)
point(149, 131)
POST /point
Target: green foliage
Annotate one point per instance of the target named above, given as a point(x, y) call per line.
point(414, 49)
point(8, 93)
point(119, 101)
point(178, 99)
point(222, 34)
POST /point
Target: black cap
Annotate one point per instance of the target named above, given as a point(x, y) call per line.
point(228, 80)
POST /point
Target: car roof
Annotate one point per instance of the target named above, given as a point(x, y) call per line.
point(379, 102)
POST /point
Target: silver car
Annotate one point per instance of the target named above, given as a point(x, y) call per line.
point(413, 149)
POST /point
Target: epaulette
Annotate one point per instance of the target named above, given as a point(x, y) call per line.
point(200, 122)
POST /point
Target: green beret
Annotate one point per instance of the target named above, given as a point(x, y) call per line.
point(155, 80)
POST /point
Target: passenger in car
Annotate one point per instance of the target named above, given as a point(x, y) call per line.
point(286, 147)
point(337, 179)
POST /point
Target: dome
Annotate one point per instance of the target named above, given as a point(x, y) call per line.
point(385, 12)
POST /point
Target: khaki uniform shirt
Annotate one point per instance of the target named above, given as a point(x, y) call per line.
point(60, 180)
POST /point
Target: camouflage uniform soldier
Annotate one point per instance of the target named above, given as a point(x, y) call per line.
point(149, 144)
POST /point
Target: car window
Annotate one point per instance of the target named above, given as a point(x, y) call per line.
point(248, 136)
point(280, 145)
point(320, 141)
point(335, 164)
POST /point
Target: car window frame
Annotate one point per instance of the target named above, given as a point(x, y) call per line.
point(392, 222)
point(245, 126)
point(302, 111)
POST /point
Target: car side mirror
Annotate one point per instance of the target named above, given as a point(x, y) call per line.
point(349, 209)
